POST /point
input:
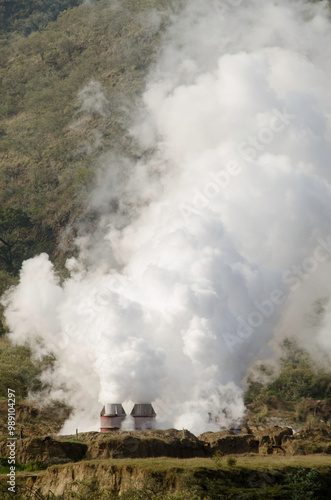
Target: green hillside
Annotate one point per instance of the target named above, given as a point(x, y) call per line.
point(46, 164)
point(49, 139)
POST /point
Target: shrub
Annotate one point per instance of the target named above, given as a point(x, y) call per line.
point(305, 484)
point(263, 415)
point(231, 462)
point(218, 458)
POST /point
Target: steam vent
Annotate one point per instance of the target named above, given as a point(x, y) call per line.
point(111, 417)
point(144, 416)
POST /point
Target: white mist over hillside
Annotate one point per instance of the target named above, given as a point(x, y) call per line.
point(216, 244)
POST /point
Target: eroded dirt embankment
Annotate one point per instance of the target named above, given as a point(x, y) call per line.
point(169, 443)
point(126, 460)
point(166, 476)
point(118, 478)
point(46, 450)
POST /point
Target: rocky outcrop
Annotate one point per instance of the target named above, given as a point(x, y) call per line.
point(309, 441)
point(282, 440)
point(229, 443)
point(273, 440)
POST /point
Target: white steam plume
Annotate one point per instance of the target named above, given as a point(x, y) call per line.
point(215, 244)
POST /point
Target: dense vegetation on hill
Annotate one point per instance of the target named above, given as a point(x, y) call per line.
point(19, 372)
point(299, 377)
point(48, 137)
point(26, 16)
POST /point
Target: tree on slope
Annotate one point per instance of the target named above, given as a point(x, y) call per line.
point(15, 238)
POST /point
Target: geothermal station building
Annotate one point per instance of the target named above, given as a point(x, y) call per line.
point(113, 415)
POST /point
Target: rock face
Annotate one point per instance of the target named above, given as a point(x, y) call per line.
point(229, 443)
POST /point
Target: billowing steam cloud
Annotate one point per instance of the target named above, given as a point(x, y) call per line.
point(214, 244)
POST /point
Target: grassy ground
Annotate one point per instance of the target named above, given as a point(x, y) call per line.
point(248, 461)
point(244, 462)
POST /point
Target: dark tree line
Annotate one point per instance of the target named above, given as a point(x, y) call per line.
point(26, 16)
point(15, 239)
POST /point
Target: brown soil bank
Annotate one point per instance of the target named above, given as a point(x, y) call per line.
point(229, 443)
point(95, 445)
point(148, 444)
point(169, 443)
point(46, 450)
point(252, 476)
point(119, 478)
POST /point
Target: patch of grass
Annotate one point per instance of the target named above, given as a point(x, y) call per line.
point(263, 414)
point(76, 441)
point(249, 461)
point(28, 467)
